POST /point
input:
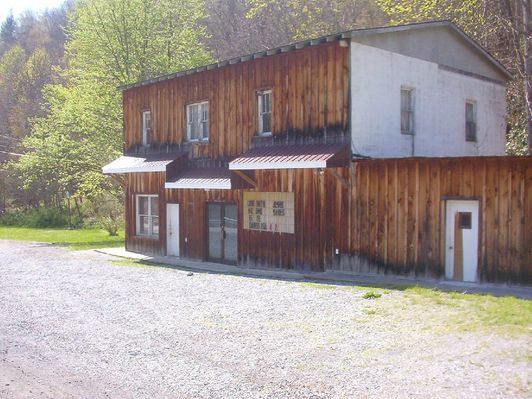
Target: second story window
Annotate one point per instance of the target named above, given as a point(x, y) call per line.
point(264, 102)
point(407, 110)
point(470, 121)
point(146, 127)
point(198, 121)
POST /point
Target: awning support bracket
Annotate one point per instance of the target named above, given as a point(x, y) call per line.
point(245, 177)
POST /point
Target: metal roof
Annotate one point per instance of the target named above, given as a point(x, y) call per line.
point(202, 178)
point(299, 156)
point(139, 164)
point(325, 39)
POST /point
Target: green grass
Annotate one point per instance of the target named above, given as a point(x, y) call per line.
point(442, 312)
point(75, 239)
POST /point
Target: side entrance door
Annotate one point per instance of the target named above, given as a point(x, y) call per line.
point(172, 229)
point(222, 226)
point(461, 240)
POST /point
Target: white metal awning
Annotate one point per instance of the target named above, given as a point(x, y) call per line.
point(140, 164)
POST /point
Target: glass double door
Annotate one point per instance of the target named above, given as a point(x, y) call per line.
point(222, 224)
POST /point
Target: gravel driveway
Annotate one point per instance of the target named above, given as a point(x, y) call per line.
point(81, 324)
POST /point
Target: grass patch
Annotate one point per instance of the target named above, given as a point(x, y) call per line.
point(74, 239)
point(469, 312)
point(371, 295)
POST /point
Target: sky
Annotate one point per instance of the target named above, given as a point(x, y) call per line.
point(18, 6)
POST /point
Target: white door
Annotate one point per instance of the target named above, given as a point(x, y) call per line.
point(172, 229)
point(461, 240)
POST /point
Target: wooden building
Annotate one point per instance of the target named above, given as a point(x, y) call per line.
point(251, 162)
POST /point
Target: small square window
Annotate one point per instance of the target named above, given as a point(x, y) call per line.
point(464, 220)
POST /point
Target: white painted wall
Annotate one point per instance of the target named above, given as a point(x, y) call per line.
point(440, 95)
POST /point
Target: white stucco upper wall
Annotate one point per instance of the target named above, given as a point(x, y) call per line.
point(442, 44)
point(377, 76)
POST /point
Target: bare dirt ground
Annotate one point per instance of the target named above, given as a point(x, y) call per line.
point(84, 325)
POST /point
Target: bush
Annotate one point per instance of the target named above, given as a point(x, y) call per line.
point(37, 217)
point(106, 212)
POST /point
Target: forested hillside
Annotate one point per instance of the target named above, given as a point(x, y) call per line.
point(59, 72)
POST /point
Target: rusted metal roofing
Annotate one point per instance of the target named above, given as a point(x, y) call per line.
point(294, 156)
point(207, 178)
point(202, 178)
point(325, 39)
point(138, 164)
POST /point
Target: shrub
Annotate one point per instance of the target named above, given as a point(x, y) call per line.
point(37, 217)
point(107, 212)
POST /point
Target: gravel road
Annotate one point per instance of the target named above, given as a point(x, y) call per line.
point(83, 325)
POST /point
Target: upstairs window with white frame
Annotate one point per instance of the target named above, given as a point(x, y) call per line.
point(147, 208)
point(407, 110)
point(198, 121)
point(470, 121)
point(146, 127)
point(264, 102)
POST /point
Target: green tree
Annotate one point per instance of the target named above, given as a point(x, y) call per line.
point(7, 31)
point(111, 43)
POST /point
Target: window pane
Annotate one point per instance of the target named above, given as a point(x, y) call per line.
point(155, 226)
point(267, 102)
point(407, 111)
point(143, 225)
point(405, 100)
point(470, 115)
point(143, 205)
point(205, 129)
point(154, 206)
point(266, 123)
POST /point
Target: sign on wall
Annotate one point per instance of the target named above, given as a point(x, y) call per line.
point(272, 212)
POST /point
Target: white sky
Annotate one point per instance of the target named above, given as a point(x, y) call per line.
point(18, 6)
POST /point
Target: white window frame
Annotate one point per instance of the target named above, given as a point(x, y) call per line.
point(411, 110)
point(150, 216)
point(201, 120)
point(146, 127)
point(474, 121)
point(260, 112)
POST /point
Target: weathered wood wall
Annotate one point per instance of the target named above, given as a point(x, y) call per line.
point(391, 220)
point(398, 215)
point(310, 92)
point(319, 198)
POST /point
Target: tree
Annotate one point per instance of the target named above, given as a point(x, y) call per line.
point(111, 43)
point(516, 21)
point(7, 32)
point(237, 27)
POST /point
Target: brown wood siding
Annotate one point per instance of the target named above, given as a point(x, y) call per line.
point(310, 93)
point(393, 220)
point(145, 183)
point(398, 215)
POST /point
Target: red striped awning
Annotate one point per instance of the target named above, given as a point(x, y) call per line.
point(206, 178)
point(294, 156)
